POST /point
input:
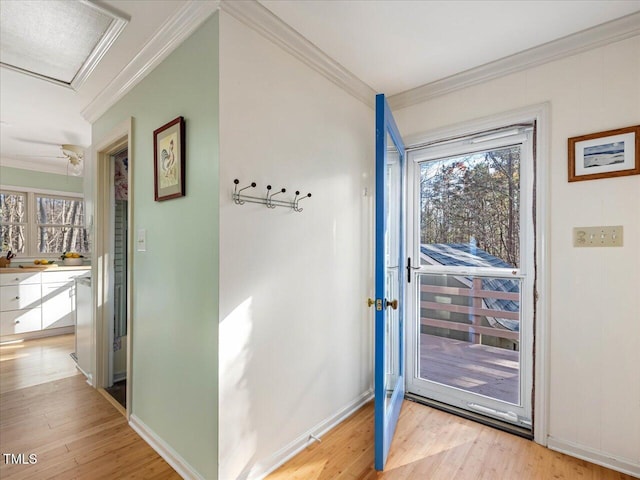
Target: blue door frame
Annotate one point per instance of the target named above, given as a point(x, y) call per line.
point(388, 398)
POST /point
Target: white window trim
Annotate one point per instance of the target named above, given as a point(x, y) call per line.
point(31, 224)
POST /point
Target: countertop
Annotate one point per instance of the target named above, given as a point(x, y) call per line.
point(44, 268)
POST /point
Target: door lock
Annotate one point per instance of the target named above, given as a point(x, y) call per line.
point(377, 302)
point(393, 304)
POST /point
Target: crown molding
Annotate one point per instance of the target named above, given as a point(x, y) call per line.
point(598, 36)
point(172, 33)
point(118, 22)
point(263, 21)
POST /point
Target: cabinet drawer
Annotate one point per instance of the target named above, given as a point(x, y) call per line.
point(19, 278)
point(62, 276)
point(18, 297)
point(20, 321)
point(58, 305)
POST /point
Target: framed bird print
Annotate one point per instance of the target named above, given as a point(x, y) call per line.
point(169, 160)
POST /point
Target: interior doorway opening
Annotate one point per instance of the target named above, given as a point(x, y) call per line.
point(117, 381)
point(113, 198)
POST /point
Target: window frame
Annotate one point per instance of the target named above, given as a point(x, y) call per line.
point(32, 225)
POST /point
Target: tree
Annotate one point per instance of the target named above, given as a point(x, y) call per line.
point(473, 198)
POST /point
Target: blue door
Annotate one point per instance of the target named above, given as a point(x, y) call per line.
point(389, 268)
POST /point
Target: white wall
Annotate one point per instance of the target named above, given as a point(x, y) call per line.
point(594, 300)
point(295, 334)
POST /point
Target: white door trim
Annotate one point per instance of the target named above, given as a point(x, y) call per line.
point(101, 260)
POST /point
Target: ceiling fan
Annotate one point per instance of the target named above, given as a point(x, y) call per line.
point(74, 154)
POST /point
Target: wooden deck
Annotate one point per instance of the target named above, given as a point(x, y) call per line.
point(489, 371)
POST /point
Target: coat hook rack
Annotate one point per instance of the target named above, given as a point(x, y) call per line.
point(240, 198)
point(296, 200)
point(236, 193)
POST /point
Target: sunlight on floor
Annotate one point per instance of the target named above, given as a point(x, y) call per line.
point(307, 471)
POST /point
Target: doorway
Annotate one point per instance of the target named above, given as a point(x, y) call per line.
point(113, 198)
point(470, 303)
point(117, 381)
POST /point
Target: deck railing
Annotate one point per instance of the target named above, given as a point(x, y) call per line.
point(475, 312)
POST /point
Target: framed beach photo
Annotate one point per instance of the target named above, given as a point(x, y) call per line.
point(614, 153)
point(169, 160)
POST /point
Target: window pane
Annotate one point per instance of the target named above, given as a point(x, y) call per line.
point(13, 208)
point(62, 239)
point(13, 238)
point(59, 211)
point(471, 203)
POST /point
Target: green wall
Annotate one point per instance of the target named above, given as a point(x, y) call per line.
point(175, 282)
point(18, 177)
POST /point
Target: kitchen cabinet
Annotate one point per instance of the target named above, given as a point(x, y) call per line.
point(20, 298)
point(38, 303)
point(58, 304)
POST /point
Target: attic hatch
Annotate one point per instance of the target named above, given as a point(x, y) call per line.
point(60, 41)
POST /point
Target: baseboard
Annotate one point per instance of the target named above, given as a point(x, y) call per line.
point(261, 469)
point(47, 332)
point(88, 375)
point(172, 457)
point(119, 376)
point(594, 456)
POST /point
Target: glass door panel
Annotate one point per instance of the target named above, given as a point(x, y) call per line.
point(471, 328)
point(470, 334)
point(393, 204)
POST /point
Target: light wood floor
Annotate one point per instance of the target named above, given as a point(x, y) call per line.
point(72, 429)
point(32, 362)
point(430, 444)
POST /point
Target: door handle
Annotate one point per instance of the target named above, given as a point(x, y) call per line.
point(393, 304)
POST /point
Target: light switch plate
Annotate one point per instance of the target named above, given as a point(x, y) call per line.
point(141, 243)
point(598, 236)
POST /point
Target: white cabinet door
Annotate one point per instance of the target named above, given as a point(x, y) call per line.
point(58, 305)
point(18, 297)
point(19, 278)
point(19, 321)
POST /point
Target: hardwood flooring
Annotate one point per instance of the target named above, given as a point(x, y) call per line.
point(32, 362)
point(430, 444)
point(73, 431)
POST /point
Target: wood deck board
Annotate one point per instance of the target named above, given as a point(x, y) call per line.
point(489, 371)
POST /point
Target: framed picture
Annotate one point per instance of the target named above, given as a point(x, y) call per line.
point(614, 153)
point(169, 160)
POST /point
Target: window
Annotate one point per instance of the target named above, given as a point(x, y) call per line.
point(42, 224)
point(13, 214)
